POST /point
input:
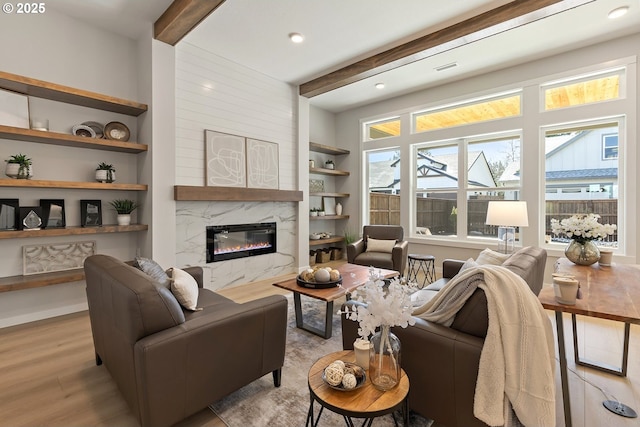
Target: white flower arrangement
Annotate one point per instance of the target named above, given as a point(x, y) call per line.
point(384, 305)
point(582, 227)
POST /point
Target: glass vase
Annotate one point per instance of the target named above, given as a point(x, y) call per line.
point(586, 253)
point(384, 359)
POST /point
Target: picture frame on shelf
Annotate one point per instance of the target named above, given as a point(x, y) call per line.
point(9, 214)
point(91, 213)
point(30, 218)
point(14, 109)
point(329, 204)
point(53, 213)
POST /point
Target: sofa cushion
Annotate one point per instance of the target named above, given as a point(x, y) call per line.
point(491, 257)
point(376, 245)
point(378, 259)
point(185, 288)
point(153, 269)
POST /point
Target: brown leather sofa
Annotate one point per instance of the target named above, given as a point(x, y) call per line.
point(442, 362)
point(170, 363)
point(396, 260)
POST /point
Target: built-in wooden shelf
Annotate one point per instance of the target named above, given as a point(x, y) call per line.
point(328, 217)
point(71, 231)
point(329, 194)
point(40, 183)
point(320, 242)
point(333, 172)
point(68, 140)
point(16, 283)
point(327, 149)
point(239, 194)
point(56, 92)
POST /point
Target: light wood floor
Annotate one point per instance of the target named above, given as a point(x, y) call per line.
point(48, 375)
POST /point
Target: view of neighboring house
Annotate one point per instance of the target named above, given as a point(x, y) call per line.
point(580, 165)
point(433, 172)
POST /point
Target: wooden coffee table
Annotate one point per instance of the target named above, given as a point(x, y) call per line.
point(608, 293)
point(353, 276)
point(366, 402)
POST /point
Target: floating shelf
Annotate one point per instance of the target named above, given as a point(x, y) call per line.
point(321, 242)
point(56, 92)
point(240, 194)
point(72, 231)
point(328, 217)
point(16, 283)
point(327, 149)
point(40, 183)
point(329, 194)
point(333, 172)
point(68, 140)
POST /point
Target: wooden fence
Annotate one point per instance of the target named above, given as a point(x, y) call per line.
point(436, 214)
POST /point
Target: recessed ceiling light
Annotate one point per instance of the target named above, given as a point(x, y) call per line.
point(379, 85)
point(296, 37)
point(618, 12)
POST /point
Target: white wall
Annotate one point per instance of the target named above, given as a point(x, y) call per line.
point(348, 133)
point(216, 94)
point(60, 49)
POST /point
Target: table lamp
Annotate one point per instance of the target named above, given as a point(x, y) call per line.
point(507, 215)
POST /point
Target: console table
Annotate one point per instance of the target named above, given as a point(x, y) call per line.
point(611, 293)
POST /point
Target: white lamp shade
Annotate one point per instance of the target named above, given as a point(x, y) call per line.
point(507, 213)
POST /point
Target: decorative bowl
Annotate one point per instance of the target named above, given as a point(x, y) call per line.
point(358, 372)
point(318, 285)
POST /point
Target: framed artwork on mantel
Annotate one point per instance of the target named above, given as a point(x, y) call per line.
point(225, 160)
point(262, 164)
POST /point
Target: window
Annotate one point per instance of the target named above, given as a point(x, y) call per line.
point(580, 91)
point(491, 172)
point(382, 129)
point(577, 182)
point(383, 170)
point(609, 147)
point(473, 111)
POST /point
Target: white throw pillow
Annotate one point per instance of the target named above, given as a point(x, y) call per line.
point(185, 288)
point(375, 245)
point(489, 257)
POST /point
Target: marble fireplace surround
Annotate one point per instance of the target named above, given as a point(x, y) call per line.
point(198, 207)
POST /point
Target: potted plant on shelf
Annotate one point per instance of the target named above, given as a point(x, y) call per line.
point(329, 164)
point(19, 167)
point(124, 207)
point(313, 212)
point(105, 173)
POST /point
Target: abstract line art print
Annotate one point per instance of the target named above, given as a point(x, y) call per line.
point(226, 160)
point(262, 164)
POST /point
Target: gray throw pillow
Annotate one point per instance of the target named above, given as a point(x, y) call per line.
point(153, 269)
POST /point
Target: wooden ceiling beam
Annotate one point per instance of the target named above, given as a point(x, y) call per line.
point(181, 17)
point(503, 18)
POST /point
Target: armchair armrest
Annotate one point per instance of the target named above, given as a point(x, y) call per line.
point(399, 255)
point(354, 249)
point(451, 267)
point(203, 359)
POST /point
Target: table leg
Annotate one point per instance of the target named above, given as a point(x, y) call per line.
point(562, 356)
point(622, 371)
point(328, 318)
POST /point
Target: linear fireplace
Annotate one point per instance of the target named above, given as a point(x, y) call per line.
point(238, 241)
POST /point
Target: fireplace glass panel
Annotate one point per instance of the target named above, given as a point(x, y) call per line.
point(238, 241)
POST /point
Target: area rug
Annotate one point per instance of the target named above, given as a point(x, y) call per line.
point(261, 404)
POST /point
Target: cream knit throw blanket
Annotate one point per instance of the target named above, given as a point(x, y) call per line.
point(517, 363)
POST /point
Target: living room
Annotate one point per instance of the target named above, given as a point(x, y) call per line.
point(170, 80)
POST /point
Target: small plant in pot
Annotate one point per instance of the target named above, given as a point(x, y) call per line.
point(19, 167)
point(105, 173)
point(124, 207)
point(329, 164)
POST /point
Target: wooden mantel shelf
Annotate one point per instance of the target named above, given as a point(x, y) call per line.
point(234, 194)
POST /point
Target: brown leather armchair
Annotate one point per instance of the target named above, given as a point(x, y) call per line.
point(396, 260)
point(442, 362)
point(170, 363)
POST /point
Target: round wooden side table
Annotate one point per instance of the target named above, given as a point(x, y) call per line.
point(367, 402)
point(422, 263)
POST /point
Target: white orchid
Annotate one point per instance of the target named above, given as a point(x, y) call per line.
point(582, 227)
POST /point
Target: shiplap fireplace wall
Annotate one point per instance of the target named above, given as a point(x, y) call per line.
point(216, 94)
